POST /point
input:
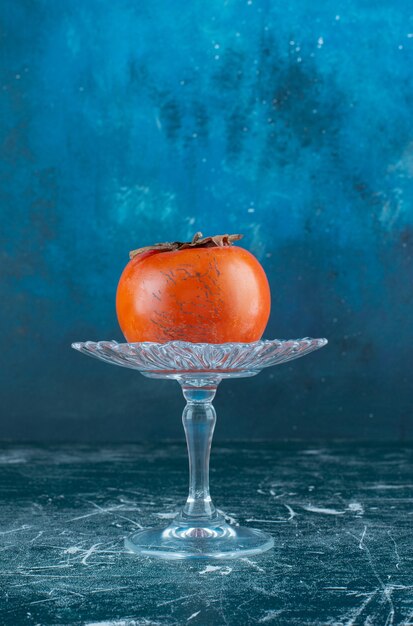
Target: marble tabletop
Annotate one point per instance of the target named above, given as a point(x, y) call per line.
point(341, 516)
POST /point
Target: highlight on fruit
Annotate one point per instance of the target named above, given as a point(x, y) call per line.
point(203, 291)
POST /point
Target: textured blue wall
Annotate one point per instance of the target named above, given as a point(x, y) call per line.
point(125, 123)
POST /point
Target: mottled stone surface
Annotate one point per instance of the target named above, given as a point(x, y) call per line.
point(130, 122)
point(341, 516)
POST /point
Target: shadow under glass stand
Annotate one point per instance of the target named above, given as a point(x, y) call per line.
point(199, 530)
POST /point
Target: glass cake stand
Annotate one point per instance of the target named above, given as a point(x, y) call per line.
point(199, 530)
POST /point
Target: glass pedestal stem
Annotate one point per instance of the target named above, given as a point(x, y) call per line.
point(199, 419)
point(199, 531)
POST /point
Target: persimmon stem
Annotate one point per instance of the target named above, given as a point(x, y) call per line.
point(196, 237)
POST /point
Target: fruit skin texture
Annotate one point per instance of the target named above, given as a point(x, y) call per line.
point(201, 295)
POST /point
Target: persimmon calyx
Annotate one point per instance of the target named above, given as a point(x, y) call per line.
point(198, 241)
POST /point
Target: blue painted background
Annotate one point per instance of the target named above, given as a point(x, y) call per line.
point(125, 123)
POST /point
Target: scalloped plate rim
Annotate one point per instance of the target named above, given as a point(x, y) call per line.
point(76, 345)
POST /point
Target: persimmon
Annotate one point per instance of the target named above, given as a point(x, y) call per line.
point(203, 291)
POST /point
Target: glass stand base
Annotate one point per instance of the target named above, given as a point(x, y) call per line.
point(221, 541)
